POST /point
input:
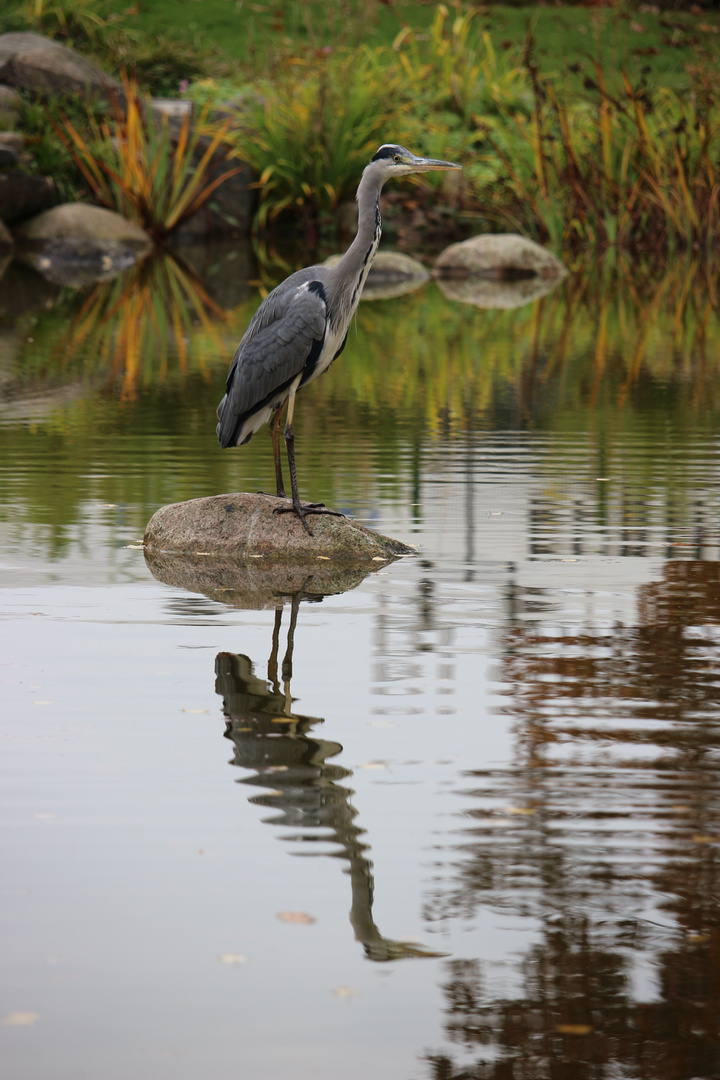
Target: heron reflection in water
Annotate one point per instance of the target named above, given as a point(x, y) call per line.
point(307, 791)
point(301, 327)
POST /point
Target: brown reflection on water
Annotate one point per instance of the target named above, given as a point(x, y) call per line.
point(306, 793)
point(606, 832)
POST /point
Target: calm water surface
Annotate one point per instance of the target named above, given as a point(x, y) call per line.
point(461, 820)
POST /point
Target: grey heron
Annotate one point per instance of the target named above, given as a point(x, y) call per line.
point(301, 328)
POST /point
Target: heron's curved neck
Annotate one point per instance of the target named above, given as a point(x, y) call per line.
point(350, 272)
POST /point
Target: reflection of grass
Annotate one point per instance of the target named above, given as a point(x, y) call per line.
point(582, 348)
point(128, 328)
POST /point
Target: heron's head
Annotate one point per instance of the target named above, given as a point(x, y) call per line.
point(395, 160)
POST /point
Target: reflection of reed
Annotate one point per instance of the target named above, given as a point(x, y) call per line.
point(132, 325)
point(279, 745)
point(611, 809)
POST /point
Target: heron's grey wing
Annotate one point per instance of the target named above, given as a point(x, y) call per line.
point(286, 332)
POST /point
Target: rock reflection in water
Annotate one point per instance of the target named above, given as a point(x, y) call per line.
point(307, 795)
point(606, 831)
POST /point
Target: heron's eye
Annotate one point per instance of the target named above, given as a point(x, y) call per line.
point(396, 158)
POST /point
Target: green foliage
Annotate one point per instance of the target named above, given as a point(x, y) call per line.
point(311, 131)
point(50, 154)
point(84, 24)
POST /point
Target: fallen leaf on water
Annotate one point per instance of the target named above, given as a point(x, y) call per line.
point(344, 992)
point(574, 1029)
point(697, 939)
point(20, 1019)
point(705, 839)
point(297, 918)
point(374, 765)
point(196, 711)
point(232, 958)
point(520, 810)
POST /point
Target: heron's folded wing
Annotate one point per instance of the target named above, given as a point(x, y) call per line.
point(283, 334)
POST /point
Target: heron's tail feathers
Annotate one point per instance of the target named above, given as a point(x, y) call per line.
point(230, 425)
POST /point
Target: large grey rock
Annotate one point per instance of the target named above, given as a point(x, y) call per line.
point(22, 195)
point(40, 66)
point(246, 525)
point(82, 221)
point(502, 255)
point(10, 106)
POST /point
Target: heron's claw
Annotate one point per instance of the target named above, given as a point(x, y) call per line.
point(302, 509)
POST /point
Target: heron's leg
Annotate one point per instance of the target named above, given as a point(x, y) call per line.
point(298, 507)
point(275, 436)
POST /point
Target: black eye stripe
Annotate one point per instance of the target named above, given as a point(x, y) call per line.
point(388, 152)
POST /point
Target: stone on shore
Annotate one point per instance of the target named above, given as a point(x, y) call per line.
point(83, 221)
point(39, 65)
point(78, 244)
point(245, 525)
point(502, 255)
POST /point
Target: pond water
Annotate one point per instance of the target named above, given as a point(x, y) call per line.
point(459, 821)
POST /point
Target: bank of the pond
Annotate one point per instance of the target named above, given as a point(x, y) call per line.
point(611, 145)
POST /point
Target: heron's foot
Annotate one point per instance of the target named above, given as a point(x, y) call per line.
point(303, 509)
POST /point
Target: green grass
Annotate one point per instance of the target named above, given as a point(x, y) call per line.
point(251, 36)
point(584, 127)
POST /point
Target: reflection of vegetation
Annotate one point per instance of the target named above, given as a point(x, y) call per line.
point(609, 811)
point(609, 353)
point(130, 326)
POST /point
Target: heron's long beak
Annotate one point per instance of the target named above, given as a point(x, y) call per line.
point(425, 164)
